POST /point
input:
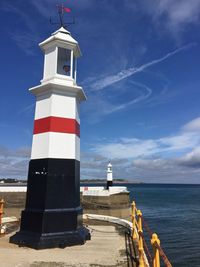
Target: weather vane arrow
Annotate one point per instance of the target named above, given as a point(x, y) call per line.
point(61, 9)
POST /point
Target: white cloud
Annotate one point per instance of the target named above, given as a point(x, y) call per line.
point(127, 148)
point(191, 159)
point(133, 147)
point(167, 159)
point(14, 163)
point(151, 164)
point(192, 126)
point(174, 14)
point(169, 170)
point(166, 170)
point(179, 142)
point(180, 12)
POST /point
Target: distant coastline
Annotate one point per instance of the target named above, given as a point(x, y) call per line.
point(115, 181)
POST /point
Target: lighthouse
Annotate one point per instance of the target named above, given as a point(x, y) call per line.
point(52, 216)
point(109, 175)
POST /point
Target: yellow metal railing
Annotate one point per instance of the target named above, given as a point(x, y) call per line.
point(1, 213)
point(156, 254)
point(137, 235)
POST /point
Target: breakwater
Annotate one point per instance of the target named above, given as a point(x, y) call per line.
point(115, 204)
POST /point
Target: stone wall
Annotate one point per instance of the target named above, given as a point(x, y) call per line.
point(117, 205)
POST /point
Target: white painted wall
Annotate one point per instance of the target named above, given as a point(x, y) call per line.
point(50, 62)
point(101, 191)
point(57, 105)
point(109, 176)
point(13, 188)
point(55, 145)
point(87, 190)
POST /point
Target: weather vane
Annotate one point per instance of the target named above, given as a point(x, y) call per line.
point(61, 11)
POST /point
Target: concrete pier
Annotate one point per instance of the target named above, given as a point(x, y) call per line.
point(106, 248)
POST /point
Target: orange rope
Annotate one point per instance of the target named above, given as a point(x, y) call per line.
point(146, 248)
point(163, 255)
point(147, 227)
point(161, 252)
point(136, 224)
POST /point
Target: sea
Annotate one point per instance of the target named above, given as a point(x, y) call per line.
point(173, 212)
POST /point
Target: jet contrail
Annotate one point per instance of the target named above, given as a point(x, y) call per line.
point(133, 101)
point(102, 83)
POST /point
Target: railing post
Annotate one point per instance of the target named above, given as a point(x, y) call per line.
point(140, 243)
point(133, 217)
point(156, 256)
point(1, 213)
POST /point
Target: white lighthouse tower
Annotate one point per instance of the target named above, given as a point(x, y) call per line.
point(109, 175)
point(52, 215)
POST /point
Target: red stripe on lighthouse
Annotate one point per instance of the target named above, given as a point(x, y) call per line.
point(56, 124)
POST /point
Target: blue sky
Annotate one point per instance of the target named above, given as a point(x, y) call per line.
point(140, 71)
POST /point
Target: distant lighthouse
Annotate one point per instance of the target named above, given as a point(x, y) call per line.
point(52, 215)
point(109, 175)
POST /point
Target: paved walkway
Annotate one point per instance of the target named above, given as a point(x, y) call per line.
point(106, 248)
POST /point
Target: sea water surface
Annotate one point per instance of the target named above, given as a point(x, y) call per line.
point(173, 212)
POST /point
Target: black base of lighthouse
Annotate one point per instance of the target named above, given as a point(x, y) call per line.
point(52, 216)
point(109, 183)
point(51, 240)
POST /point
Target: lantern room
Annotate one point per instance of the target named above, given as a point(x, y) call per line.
point(61, 51)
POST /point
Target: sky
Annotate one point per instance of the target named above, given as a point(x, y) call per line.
point(140, 72)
